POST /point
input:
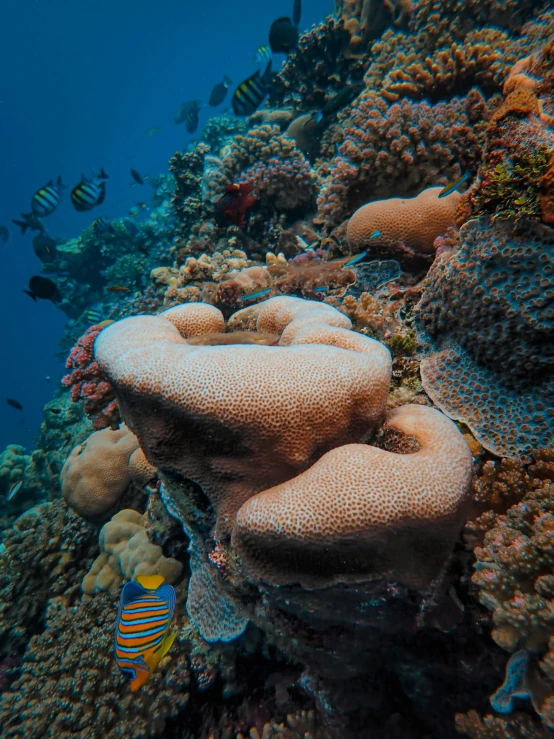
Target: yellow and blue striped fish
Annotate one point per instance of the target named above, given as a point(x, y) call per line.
point(47, 198)
point(142, 628)
point(89, 193)
point(251, 93)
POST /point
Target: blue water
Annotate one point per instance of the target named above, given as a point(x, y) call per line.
point(81, 83)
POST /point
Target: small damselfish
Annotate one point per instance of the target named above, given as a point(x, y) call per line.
point(142, 627)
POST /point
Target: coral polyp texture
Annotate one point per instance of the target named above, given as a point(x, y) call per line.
point(361, 512)
point(486, 325)
point(97, 472)
point(126, 553)
point(270, 163)
point(295, 405)
point(399, 149)
point(88, 384)
point(405, 228)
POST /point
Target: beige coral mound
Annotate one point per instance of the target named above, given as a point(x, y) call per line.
point(96, 473)
point(125, 553)
point(239, 418)
point(402, 227)
point(361, 512)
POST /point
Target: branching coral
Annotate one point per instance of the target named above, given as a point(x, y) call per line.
point(481, 61)
point(486, 318)
point(399, 149)
point(320, 66)
point(44, 555)
point(278, 173)
point(513, 178)
point(188, 169)
point(87, 383)
point(69, 685)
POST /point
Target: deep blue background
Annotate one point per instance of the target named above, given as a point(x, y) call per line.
point(81, 83)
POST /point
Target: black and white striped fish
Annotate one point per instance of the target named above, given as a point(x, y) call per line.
point(47, 198)
point(251, 93)
point(89, 193)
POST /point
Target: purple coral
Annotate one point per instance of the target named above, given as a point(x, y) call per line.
point(399, 149)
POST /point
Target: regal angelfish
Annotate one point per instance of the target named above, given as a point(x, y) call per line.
point(142, 628)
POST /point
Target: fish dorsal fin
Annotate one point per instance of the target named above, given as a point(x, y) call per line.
point(131, 591)
point(150, 582)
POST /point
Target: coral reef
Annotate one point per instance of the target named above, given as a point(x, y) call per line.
point(188, 170)
point(42, 556)
point(87, 383)
point(486, 320)
point(69, 685)
point(359, 510)
point(399, 149)
point(406, 229)
point(278, 173)
point(97, 472)
point(125, 553)
point(513, 179)
point(314, 424)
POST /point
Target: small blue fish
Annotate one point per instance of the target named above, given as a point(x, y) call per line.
point(13, 491)
point(259, 294)
point(321, 289)
point(453, 186)
point(356, 259)
point(375, 235)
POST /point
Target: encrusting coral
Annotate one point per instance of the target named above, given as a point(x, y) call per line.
point(486, 319)
point(97, 472)
point(125, 553)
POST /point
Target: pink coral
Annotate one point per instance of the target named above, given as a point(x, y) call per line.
point(89, 384)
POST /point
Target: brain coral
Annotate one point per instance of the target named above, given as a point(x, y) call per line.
point(486, 319)
point(125, 553)
point(236, 419)
point(96, 473)
point(360, 511)
point(405, 227)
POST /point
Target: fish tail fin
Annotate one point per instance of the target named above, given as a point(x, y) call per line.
point(60, 184)
point(31, 295)
point(23, 225)
point(150, 582)
point(297, 12)
point(102, 175)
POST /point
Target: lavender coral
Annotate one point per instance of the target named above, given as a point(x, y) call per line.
point(399, 149)
point(278, 173)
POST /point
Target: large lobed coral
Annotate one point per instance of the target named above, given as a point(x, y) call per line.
point(486, 327)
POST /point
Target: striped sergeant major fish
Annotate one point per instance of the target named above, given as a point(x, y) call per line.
point(47, 198)
point(142, 628)
point(251, 93)
point(89, 192)
point(264, 57)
